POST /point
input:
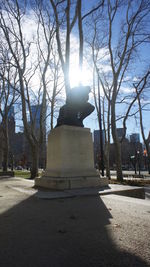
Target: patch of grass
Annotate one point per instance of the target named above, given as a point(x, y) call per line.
point(23, 174)
point(140, 182)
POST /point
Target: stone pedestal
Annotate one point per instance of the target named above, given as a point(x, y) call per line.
point(70, 160)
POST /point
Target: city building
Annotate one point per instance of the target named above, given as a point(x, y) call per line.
point(36, 113)
point(19, 147)
point(11, 112)
point(129, 149)
point(97, 137)
point(1, 147)
point(97, 151)
point(134, 138)
point(120, 132)
point(11, 125)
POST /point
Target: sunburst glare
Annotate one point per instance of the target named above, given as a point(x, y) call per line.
point(76, 76)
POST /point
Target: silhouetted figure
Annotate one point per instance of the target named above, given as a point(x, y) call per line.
point(76, 108)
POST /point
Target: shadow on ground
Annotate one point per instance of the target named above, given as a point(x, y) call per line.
point(60, 233)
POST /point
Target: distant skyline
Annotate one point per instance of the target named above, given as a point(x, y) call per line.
point(90, 122)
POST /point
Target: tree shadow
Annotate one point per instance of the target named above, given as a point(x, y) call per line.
point(60, 233)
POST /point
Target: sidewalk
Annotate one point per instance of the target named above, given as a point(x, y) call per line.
point(27, 186)
point(89, 230)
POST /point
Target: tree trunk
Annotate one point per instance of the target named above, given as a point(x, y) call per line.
point(106, 155)
point(107, 168)
point(80, 36)
point(35, 162)
point(5, 158)
point(6, 147)
point(116, 142)
point(148, 163)
point(146, 142)
point(118, 161)
point(52, 110)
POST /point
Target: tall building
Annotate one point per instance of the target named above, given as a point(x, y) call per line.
point(97, 144)
point(1, 147)
point(120, 132)
point(19, 147)
point(36, 112)
point(11, 122)
point(135, 138)
point(36, 115)
point(11, 112)
point(97, 137)
point(11, 129)
point(11, 134)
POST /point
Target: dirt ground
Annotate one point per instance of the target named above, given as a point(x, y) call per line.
point(82, 231)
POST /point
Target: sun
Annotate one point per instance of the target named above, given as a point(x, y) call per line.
point(76, 76)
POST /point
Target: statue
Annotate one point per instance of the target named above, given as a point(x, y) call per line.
point(76, 108)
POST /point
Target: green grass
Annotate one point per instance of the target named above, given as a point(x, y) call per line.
point(23, 174)
point(140, 182)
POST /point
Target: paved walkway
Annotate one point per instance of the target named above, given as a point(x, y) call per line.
point(27, 187)
point(92, 230)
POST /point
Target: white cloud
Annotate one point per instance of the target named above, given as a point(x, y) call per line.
point(127, 90)
point(145, 101)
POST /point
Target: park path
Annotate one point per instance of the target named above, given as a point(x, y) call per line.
point(82, 231)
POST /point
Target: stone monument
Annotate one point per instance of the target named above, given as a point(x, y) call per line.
point(70, 159)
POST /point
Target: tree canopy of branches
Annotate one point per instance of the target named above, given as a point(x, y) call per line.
point(116, 48)
point(8, 96)
point(32, 58)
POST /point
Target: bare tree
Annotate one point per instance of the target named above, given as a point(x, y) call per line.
point(106, 126)
point(12, 31)
point(12, 17)
point(144, 83)
point(122, 56)
point(121, 45)
point(66, 14)
point(48, 59)
point(8, 97)
point(55, 97)
point(62, 9)
point(96, 44)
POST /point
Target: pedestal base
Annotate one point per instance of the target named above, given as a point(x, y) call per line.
point(70, 183)
point(70, 160)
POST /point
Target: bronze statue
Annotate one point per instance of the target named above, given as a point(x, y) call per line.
point(76, 108)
